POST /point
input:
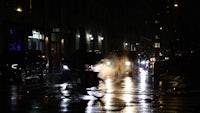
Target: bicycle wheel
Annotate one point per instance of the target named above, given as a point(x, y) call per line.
point(99, 90)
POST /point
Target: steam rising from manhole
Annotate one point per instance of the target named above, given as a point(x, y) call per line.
point(115, 67)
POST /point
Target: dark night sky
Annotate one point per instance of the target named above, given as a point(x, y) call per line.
point(117, 16)
point(189, 19)
point(125, 16)
point(114, 18)
point(122, 18)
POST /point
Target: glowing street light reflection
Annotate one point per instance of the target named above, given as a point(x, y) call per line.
point(143, 76)
point(129, 88)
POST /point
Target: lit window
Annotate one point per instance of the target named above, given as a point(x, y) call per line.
point(156, 37)
point(157, 45)
point(156, 21)
point(91, 38)
point(101, 38)
point(125, 44)
point(19, 9)
point(175, 5)
point(137, 44)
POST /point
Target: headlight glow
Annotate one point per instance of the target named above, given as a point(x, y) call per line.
point(43, 56)
point(65, 67)
point(108, 63)
point(143, 62)
point(127, 63)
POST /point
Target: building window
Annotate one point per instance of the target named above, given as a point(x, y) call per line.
point(157, 45)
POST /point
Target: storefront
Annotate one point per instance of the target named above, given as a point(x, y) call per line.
point(36, 41)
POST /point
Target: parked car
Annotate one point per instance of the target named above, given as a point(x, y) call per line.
point(21, 65)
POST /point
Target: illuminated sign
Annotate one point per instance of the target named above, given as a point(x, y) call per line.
point(36, 35)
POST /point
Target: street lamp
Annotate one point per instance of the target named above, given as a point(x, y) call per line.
point(19, 9)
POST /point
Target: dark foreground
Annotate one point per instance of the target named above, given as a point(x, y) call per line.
point(135, 93)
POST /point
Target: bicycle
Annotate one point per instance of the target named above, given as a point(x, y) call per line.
point(86, 82)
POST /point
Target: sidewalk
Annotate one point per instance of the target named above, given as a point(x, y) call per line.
point(178, 84)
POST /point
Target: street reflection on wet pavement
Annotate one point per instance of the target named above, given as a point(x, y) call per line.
point(134, 93)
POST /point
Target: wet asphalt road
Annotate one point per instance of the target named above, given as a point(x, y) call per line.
point(133, 94)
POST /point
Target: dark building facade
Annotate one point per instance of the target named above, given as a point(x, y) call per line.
point(28, 24)
point(54, 27)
